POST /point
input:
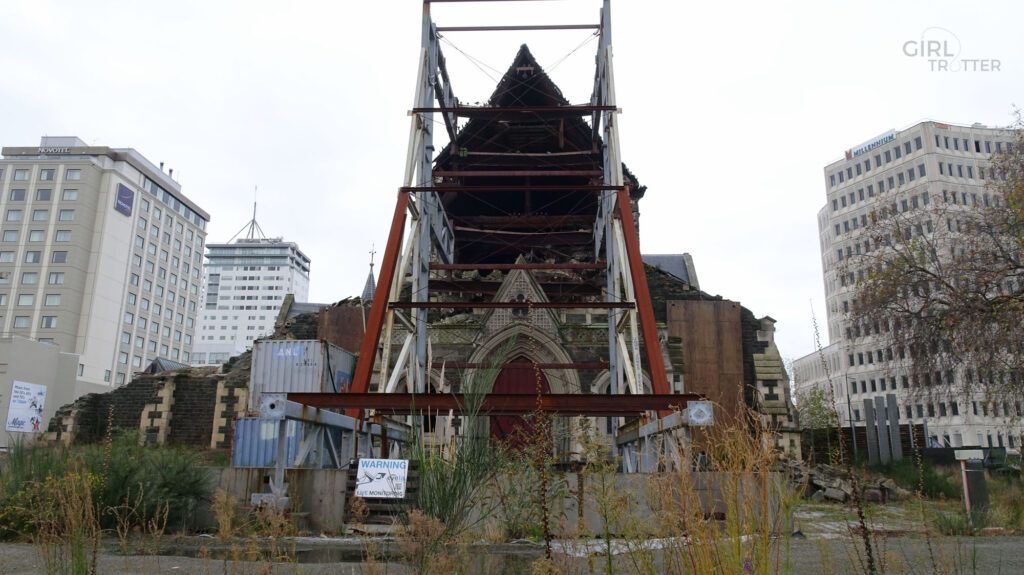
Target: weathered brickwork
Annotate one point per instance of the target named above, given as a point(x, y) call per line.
point(193, 411)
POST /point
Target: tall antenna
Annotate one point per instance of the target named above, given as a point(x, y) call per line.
point(252, 225)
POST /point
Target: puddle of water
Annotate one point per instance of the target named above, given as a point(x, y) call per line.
point(504, 561)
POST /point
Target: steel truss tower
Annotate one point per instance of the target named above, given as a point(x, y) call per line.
point(568, 210)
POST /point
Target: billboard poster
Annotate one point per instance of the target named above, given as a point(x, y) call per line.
point(125, 200)
point(382, 478)
point(25, 412)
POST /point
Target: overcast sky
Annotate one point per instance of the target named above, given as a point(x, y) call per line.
point(731, 111)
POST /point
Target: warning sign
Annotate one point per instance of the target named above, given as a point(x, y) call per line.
point(382, 478)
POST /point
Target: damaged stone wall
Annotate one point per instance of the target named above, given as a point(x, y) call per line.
point(193, 406)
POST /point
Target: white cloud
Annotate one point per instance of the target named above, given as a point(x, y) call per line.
point(731, 111)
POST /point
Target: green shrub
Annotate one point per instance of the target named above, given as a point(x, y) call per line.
point(1006, 502)
point(157, 483)
point(958, 523)
point(933, 484)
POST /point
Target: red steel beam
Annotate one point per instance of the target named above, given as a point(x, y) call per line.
point(476, 111)
point(659, 379)
point(507, 305)
point(509, 188)
point(473, 365)
point(567, 404)
point(517, 173)
point(523, 221)
point(515, 28)
point(375, 323)
point(504, 267)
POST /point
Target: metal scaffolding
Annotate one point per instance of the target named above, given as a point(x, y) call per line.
point(430, 243)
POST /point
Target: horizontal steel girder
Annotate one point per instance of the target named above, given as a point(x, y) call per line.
point(538, 266)
point(509, 305)
point(565, 404)
point(510, 188)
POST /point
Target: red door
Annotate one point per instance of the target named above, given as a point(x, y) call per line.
point(518, 376)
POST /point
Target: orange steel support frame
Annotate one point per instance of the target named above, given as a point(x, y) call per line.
point(382, 303)
point(375, 323)
point(655, 363)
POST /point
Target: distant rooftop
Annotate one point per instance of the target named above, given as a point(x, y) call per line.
point(54, 147)
point(679, 265)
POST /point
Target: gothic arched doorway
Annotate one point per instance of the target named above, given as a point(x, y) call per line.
point(517, 376)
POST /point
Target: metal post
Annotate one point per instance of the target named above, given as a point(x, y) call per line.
point(277, 488)
point(882, 430)
point(870, 430)
point(849, 412)
point(967, 492)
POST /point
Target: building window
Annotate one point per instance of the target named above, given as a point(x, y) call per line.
point(62, 236)
point(20, 175)
point(52, 299)
point(21, 321)
point(11, 235)
point(26, 299)
point(66, 215)
point(122, 358)
point(33, 257)
point(14, 215)
point(129, 317)
point(106, 375)
point(73, 174)
point(36, 235)
point(59, 257)
point(48, 321)
point(56, 278)
point(119, 380)
point(69, 195)
point(6, 257)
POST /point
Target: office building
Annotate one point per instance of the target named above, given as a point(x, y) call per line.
point(912, 169)
point(100, 254)
point(246, 281)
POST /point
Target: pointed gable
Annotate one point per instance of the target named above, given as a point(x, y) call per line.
point(520, 285)
point(525, 84)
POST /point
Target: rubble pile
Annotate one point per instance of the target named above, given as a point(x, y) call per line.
point(822, 482)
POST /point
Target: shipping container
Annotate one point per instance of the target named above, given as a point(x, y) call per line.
point(255, 442)
point(298, 366)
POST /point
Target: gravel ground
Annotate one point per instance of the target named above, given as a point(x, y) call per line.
point(823, 555)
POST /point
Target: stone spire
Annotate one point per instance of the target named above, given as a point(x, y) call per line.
point(371, 286)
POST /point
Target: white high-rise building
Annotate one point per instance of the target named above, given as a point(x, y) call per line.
point(100, 254)
point(246, 281)
point(911, 169)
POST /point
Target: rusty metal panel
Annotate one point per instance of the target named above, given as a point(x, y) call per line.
point(304, 365)
point(712, 339)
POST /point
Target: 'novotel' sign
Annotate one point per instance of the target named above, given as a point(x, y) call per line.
point(54, 150)
point(871, 144)
point(124, 200)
